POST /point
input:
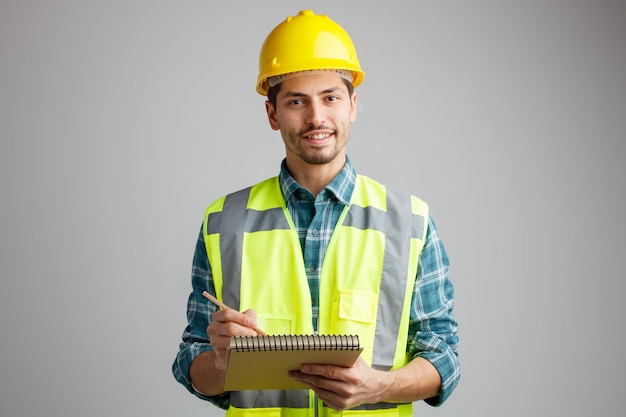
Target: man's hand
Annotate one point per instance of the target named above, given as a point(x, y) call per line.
point(227, 323)
point(208, 369)
point(343, 388)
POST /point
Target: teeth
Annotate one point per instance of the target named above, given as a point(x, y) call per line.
point(320, 136)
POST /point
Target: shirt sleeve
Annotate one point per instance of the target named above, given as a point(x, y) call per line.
point(433, 327)
point(195, 339)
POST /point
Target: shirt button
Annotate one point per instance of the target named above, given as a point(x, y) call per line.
point(314, 231)
point(312, 268)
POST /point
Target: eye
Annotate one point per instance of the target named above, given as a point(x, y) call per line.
point(332, 98)
point(295, 102)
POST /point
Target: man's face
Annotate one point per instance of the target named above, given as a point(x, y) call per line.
point(314, 113)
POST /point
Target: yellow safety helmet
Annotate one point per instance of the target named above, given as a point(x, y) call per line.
point(307, 42)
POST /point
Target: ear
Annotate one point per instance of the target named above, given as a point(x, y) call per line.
point(353, 111)
point(271, 115)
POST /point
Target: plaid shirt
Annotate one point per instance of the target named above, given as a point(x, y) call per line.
point(432, 329)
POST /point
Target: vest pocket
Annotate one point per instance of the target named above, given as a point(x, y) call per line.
point(276, 324)
point(359, 306)
point(355, 313)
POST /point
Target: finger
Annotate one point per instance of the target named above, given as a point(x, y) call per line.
point(230, 322)
point(252, 315)
point(326, 371)
point(234, 316)
point(327, 390)
point(316, 381)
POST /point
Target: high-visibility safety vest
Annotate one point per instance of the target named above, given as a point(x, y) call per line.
point(365, 288)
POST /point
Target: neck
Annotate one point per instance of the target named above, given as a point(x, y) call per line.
point(314, 177)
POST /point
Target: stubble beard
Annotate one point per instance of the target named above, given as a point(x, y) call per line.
point(316, 157)
point(313, 155)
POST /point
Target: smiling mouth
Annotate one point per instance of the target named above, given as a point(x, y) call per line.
point(318, 136)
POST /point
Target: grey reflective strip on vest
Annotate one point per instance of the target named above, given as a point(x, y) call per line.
point(366, 218)
point(270, 398)
point(399, 225)
point(231, 244)
point(375, 406)
point(231, 223)
point(287, 399)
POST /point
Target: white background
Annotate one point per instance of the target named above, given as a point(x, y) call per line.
point(121, 120)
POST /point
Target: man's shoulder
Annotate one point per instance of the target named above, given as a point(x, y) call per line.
point(268, 185)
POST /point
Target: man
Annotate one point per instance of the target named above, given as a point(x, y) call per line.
point(321, 249)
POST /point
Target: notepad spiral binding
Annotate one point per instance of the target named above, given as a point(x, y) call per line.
point(295, 342)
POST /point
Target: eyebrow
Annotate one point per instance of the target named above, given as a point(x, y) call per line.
point(290, 94)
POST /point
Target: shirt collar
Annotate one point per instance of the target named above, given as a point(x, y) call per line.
point(340, 187)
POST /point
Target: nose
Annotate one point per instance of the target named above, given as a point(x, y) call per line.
point(315, 115)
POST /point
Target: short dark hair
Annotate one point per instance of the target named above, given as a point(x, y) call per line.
point(272, 92)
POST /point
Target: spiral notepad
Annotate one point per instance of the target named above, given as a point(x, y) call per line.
point(295, 342)
point(263, 362)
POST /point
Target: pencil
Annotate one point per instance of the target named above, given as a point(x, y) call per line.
point(223, 306)
point(215, 300)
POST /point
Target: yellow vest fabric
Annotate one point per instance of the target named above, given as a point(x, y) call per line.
point(366, 283)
